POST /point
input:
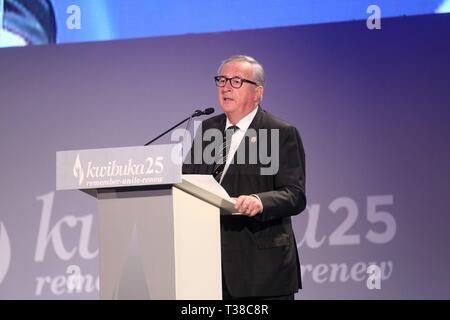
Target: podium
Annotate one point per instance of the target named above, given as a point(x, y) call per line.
point(159, 232)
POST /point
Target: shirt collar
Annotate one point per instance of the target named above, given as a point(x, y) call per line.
point(245, 122)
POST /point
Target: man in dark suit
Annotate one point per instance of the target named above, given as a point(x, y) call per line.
point(259, 251)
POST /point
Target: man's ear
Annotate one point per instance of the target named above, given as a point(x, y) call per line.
point(259, 93)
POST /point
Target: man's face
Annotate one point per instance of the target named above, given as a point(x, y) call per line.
point(237, 103)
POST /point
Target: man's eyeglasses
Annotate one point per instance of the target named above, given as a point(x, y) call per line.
point(236, 82)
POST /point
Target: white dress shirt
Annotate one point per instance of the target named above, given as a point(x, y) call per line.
point(236, 139)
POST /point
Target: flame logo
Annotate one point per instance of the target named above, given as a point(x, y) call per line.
point(78, 170)
point(5, 252)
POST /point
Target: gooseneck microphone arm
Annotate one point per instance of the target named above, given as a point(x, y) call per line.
point(197, 113)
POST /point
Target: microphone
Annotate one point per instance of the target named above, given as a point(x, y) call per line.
point(209, 111)
point(196, 113)
point(205, 112)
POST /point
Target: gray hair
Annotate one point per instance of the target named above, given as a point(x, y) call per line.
point(258, 70)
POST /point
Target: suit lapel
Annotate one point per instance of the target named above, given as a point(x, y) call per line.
point(256, 123)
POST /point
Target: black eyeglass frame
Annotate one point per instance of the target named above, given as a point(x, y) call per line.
point(217, 78)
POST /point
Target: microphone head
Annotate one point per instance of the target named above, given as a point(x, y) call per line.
point(197, 113)
point(208, 111)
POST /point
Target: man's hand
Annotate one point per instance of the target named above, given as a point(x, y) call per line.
point(248, 205)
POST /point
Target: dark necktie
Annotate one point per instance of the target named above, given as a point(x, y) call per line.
point(221, 158)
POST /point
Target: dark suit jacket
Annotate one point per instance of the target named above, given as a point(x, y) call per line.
point(259, 254)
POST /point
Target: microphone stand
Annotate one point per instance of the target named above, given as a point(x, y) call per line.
point(180, 123)
point(195, 114)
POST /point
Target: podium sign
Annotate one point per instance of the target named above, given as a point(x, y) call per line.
point(118, 167)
